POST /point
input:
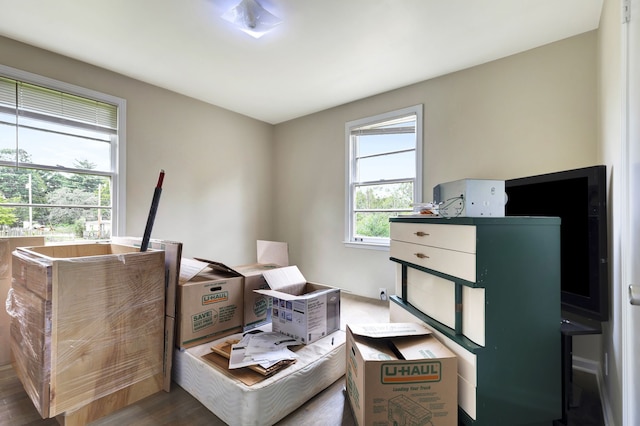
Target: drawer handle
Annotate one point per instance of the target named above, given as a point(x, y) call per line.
point(421, 256)
point(421, 234)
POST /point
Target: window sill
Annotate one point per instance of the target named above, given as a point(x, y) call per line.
point(368, 246)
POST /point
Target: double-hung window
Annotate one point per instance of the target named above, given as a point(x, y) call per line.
point(384, 173)
point(61, 159)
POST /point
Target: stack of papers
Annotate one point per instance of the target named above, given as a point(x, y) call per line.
point(263, 349)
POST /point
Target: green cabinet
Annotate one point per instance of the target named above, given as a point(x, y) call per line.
point(489, 288)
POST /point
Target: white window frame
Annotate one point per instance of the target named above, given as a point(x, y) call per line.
point(377, 243)
point(118, 144)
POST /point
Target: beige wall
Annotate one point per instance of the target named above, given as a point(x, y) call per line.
point(527, 114)
point(217, 191)
point(610, 116)
point(232, 180)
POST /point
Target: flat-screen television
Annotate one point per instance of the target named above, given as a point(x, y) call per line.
point(578, 197)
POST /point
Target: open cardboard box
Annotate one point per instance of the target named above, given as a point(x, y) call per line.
point(399, 373)
point(257, 307)
point(302, 310)
point(210, 302)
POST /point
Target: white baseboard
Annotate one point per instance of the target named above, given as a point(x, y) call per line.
point(593, 367)
point(586, 365)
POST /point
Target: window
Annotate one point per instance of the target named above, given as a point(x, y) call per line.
point(61, 159)
point(384, 173)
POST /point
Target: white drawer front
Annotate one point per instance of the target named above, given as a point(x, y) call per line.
point(467, 397)
point(467, 361)
point(398, 279)
point(451, 237)
point(456, 263)
point(433, 296)
point(473, 314)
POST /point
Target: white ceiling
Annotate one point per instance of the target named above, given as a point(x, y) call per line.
point(325, 53)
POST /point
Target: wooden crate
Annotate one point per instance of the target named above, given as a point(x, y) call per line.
point(7, 246)
point(172, 257)
point(87, 322)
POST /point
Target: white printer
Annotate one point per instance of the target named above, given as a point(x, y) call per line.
point(470, 198)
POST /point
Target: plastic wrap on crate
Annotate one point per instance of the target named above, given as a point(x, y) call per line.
point(101, 328)
point(7, 245)
point(30, 341)
point(173, 254)
point(4, 254)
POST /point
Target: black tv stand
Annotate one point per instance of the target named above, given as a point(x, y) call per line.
point(571, 325)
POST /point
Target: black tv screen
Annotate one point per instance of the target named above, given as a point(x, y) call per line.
point(578, 197)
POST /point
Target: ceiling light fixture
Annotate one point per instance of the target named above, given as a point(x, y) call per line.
point(249, 16)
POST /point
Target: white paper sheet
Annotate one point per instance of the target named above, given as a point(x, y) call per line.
point(264, 349)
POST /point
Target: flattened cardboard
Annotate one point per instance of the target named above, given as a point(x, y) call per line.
point(388, 330)
point(169, 342)
point(273, 252)
point(288, 280)
point(245, 375)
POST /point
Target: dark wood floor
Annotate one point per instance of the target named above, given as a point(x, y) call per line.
point(329, 407)
point(586, 407)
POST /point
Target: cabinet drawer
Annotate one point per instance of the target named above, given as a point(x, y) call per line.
point(456, 263)
point(398, 287)
point(467, 397)
point(451, 237)
point(473, 317)
point(433, 296)
point(467, 361)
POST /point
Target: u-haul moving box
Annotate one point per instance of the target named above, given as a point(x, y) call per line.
point(257, 307)
point(302, 310)
point(399, 374)
point(209, 302)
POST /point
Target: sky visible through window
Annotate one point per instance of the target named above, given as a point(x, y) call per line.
point(52, 148)
point(389, 166)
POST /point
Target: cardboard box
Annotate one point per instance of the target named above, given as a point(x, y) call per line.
point(210, 302)
point(257, 307)
point(7, 246)
point(400, 374)
point(302, 310)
